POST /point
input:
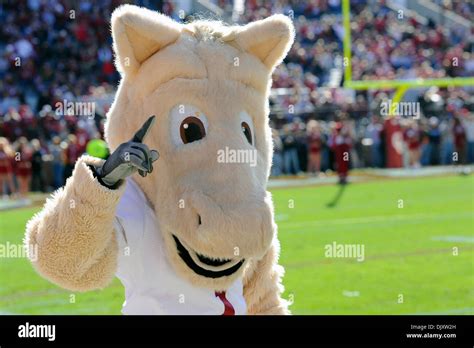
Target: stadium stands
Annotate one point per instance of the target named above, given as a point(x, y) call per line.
point(54, 51)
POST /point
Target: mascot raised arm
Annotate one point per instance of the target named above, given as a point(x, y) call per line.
point(185, 229)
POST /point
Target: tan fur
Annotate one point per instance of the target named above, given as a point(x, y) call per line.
point(165, 64)
point(76, 244)
point(263, 288)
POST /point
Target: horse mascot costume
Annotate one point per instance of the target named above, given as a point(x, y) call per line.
point(184, 232)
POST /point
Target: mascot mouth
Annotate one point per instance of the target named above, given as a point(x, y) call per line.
point(204, 265)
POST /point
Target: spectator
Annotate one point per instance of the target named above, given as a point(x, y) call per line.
point(290, 152)
point(7, 185)
point(57, 154)
point(71, 155)
point(447, 142)
point(341, 144)
point(459, 141)
point(315, 144)
point(37, 179)
point(374, 133)
point(434, 139)
point(23, 167)
point(412, 137)
point(277, 162)
point(468, 124)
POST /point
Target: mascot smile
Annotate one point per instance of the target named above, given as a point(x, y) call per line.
point(184, 232)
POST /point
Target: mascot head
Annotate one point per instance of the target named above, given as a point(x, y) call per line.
point(208, 86)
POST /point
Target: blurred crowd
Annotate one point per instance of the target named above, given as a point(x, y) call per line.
point(58, 50)
point(313, 146)
point(39, 154)
point(51, 51)
point(386, 44)
point(462, 8)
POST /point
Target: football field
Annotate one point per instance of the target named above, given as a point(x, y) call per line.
point(416, 235)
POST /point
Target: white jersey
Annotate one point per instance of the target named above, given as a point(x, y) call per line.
point(151, 284)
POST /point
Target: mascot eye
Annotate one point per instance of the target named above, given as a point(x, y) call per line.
point(191, 129)
point(247, 132)
point(187, 124)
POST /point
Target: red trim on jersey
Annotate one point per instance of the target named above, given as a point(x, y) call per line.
point(228, 308)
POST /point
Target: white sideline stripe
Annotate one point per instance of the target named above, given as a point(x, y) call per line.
point(310, 181)
point(369, 219)
point(459, 239)
point(13, 204)
point(422, 171)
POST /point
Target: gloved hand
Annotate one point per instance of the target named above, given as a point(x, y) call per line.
point(128, 158)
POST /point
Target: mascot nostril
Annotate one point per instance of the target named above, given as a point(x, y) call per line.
point(136, 210)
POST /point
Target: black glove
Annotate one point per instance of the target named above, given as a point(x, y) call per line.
point(128, 158)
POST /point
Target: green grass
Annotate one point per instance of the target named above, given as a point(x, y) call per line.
point(402, 255)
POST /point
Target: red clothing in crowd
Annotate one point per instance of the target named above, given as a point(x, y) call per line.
point(5, 164)
point(314, 143)
point(81, 32)
point(108, 68)
point(23, 166)
point(413, 138)
point(72, 154)
point(341, 145)
point(82, 139)
point(459, 136)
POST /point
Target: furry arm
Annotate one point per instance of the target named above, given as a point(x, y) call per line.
point(74, 234)
point(262, 284)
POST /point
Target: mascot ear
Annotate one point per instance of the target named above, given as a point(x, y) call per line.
point(138, 33)
point(269, 39)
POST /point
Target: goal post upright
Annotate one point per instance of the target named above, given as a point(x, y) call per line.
point(346, 19)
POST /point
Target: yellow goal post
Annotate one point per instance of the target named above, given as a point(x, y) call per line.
point(400, 86)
